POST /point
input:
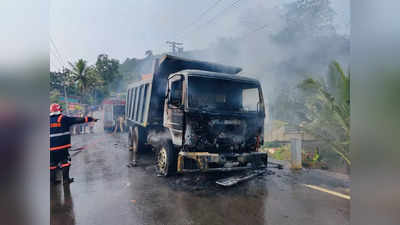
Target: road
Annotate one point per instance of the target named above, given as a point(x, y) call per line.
point(107, 192)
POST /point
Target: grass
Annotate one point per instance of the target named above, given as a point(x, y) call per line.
point(282, 152)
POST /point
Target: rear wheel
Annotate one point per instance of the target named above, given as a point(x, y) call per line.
point(136, 139)
point(130, 138)
point(166, 159)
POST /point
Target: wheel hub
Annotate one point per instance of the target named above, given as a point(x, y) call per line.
point(162, 160)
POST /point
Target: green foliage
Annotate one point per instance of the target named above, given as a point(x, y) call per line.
point(107, 69)
point(328, 110)
point(93, 83)
point(130, 70)
point(85, 77)
point(54, 96)
point(283, 153)
point(272, 144)
point(56, 80)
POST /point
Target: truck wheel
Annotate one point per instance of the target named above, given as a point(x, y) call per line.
point(130, 138)
point(166, 159)
point(136, 139)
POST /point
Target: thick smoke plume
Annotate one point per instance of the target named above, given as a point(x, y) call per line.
point(282, 46)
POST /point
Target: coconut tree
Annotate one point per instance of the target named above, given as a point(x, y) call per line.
point(85, 77)
point(328, 110)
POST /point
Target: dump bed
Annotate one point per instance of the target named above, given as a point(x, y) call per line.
point(145, 99)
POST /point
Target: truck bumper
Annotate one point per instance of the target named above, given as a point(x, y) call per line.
point(207, 162)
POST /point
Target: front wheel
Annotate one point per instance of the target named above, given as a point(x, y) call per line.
point(166, 159)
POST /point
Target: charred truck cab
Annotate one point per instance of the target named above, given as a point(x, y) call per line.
point(197, 116)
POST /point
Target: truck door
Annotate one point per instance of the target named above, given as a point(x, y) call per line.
point(175, 109)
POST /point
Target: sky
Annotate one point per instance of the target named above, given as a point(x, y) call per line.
point(127, 28)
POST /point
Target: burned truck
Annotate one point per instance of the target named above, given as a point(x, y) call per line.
point(197, 116)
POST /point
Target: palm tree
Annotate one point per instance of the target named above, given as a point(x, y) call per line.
point(328, 110)
point(85, 77)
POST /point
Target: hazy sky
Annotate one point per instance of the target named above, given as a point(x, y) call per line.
point(127, 28)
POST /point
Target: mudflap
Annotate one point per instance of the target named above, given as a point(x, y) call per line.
point(230, 181)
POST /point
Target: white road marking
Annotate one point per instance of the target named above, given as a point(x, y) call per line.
point(328, 191)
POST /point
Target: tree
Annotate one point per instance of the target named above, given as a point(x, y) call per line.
point(85, 77)
point(130, 70)
point(307, 19)
point(56, 80)
point(107, 69)
point(328, 110)
point(54, 96)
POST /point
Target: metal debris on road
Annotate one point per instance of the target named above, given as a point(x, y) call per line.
point(237, 179)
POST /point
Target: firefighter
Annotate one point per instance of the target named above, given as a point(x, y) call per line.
point(60, 141)
point(119, 124)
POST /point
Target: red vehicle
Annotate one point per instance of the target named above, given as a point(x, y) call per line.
point(113, 109)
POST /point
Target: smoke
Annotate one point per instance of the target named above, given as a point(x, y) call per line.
point(283, 45)
point(157, 137)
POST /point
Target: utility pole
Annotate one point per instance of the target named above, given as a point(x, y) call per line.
point(295, 145)
point(175, 46)
point(65, 90)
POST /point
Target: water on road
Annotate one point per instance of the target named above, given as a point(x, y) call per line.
point(107, 192)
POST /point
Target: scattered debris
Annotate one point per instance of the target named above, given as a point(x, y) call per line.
point(237, 179)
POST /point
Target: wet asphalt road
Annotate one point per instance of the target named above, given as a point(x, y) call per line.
point(107, 192)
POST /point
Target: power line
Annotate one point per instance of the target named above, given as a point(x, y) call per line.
point(51, 62)
point(56, 57)
point(56, 49)
point(220, 13)
point(64, 60)
point(200, 16)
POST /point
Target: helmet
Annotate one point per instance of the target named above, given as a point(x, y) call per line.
point(55, 108)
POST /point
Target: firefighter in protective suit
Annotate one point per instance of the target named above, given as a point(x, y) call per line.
point(60, 141)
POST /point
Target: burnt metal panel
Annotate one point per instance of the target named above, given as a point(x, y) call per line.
point(132, 96)
point(136, 103)
point(145, 96)
point(147, 104)
point(175, 64)
point(128, 103)
point(139, 103)
point(142, 101)
point(133, 106)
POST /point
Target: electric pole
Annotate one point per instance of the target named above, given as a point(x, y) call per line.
point(65, 90)
point(175, 46)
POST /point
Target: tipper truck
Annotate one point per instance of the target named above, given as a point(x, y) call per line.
point(197, 116)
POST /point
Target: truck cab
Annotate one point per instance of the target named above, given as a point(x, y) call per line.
point(215, 120)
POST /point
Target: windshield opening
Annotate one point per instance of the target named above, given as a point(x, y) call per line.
point(223, 95)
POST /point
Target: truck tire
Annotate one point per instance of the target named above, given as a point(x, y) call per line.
point(166, 159)
point(137, 139)
point(130, 138)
